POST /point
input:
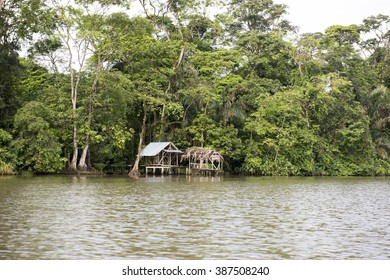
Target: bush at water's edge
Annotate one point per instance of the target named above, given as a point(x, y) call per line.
point(6, 169)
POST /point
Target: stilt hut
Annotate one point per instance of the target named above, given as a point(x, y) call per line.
point(162, 157)
point(203, 161)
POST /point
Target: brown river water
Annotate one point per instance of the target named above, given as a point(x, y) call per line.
point(58, 217)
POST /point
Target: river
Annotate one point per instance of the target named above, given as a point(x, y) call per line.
point(59, 217)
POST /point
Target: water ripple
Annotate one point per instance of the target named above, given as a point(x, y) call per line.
point(194, 218)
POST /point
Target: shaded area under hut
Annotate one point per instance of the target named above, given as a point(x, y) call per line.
point(203, 161)
point(161, 157)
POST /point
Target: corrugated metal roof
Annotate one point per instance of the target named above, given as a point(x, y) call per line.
point(154, 148)
point(173, 151)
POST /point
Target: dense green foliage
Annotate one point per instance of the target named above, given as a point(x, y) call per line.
point(97, 84)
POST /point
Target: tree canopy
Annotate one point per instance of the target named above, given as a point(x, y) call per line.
point(87, 83)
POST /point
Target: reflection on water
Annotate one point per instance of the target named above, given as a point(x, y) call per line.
point(194, 218)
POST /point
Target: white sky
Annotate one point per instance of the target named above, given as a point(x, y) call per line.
point(317, 15)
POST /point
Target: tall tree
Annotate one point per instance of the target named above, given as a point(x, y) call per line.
point(307, 54)
point(378, 108)
point(318, 129)
point(19, 20)
point(7, 158)
point(36, 144)
point(259, 16)
point(75, 51)
point(176, 41)
point(377, 28)
point(91, 29)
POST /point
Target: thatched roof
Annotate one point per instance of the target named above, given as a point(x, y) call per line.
point(199, 154)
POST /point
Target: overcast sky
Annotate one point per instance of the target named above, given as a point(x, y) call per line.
point(317, 15)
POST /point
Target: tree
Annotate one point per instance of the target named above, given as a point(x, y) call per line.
point(9, 71)
point(110, 131)
point(378, 46)
point(75, 53)
point(170, 56)
point(268, 56)
point(344, 145)
point(317, 129)
point(7, 158)
point(92, 30)
point(36, 144)
point(378, 108)
point(19, 20)
point(76, 35)
point(261, 16)
point(339, 42)
point(147, 63)
point(307, 54)
point(282, 139)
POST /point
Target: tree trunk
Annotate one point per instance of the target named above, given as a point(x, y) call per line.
point(80, 49)
point(83, 159)
point(73, 164)
point(74, 83)
point(89, 164)
point(278, 145)
point(161, 135)
point(83, 162)
point(162, 119)
point(300, 70)
point(83, 165)
point(134, 171)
